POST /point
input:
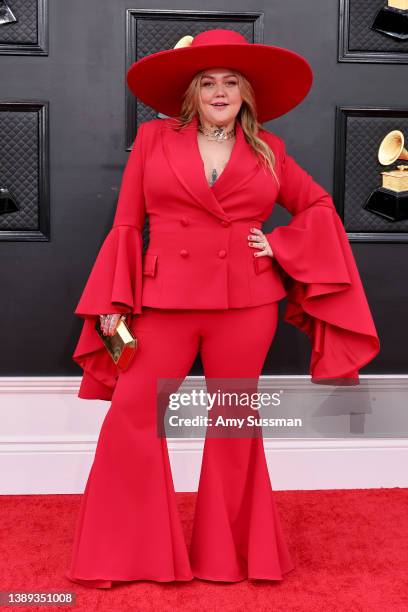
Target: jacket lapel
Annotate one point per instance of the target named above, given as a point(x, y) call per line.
point(183, 155)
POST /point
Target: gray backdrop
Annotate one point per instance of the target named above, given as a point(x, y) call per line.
point(83, 80)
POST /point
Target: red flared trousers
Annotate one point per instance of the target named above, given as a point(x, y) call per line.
point(128, 526)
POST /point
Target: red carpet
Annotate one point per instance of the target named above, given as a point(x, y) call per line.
point(350, 548)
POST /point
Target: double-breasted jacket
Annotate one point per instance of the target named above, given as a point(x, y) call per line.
point(198, 255)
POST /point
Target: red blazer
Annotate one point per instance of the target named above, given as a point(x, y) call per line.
point(198, 255)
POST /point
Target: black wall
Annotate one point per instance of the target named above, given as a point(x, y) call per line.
point(83, 80)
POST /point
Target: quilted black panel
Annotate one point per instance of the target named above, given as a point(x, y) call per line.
point(359, 43)
point(22, 143)
point(362, 171)
point(362, 37)
point(24, 30)
point(29, 34)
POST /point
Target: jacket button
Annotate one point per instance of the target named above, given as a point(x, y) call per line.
point(184, 221)
point(183, 252)
point(222, 253)
point(225, 223)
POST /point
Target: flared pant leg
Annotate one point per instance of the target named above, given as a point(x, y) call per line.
point(128, 526)
point(237, 532)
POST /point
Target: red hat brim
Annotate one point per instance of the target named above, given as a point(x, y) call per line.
point(280, 78)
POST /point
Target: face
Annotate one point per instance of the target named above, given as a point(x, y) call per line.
point(220, 97)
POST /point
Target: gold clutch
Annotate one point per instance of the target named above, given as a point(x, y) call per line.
point(121, 346)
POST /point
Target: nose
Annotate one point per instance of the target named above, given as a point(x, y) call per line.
point(220, 90)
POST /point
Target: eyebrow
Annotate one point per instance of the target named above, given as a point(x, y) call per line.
point(209, 76)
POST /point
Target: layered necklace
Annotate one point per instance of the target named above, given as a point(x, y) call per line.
point(217, 133)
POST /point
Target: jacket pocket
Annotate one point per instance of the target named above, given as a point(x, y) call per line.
point(149, 264)
point(262, 263)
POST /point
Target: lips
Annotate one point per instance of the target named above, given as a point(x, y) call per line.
point(218, 104)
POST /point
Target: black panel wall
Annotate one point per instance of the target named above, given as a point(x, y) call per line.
point(82, 79)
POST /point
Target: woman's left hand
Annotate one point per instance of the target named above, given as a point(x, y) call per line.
point(258, 240)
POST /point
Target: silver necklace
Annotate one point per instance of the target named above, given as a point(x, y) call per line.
point(218, 133)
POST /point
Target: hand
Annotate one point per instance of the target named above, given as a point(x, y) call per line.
point(109, 323)
point(258, 240)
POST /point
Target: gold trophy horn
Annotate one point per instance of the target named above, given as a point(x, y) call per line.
point(392, 148)
point(185, 41)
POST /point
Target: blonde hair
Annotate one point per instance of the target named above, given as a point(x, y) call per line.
point(247, 116)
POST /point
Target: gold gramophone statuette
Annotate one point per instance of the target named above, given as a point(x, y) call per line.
point(391, 149)
point(390, 201)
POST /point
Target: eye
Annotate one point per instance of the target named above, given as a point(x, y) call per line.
point(206, 83)
point(232, 83)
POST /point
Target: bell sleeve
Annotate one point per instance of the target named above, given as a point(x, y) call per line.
point(115, 281)
point(325, 295)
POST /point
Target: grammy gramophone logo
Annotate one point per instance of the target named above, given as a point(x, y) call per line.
point(390, 201)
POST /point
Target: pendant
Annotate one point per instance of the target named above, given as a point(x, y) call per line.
point(218, 133)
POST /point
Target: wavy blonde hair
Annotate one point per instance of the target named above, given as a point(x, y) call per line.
point(247, 116)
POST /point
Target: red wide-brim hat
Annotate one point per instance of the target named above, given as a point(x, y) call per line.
point(280, 78)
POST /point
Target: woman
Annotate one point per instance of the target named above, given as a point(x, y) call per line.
point(208, 176)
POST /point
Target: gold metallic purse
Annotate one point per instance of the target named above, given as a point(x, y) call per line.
point(121, 346)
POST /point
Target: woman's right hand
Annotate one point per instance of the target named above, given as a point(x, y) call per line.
point(109, 323)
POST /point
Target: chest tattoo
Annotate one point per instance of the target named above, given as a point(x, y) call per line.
point(214, 176)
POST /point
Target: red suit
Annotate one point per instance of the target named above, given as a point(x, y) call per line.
point(198, 260)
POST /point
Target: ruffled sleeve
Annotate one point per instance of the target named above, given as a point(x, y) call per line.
point(325, 296)
point(115, 281)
